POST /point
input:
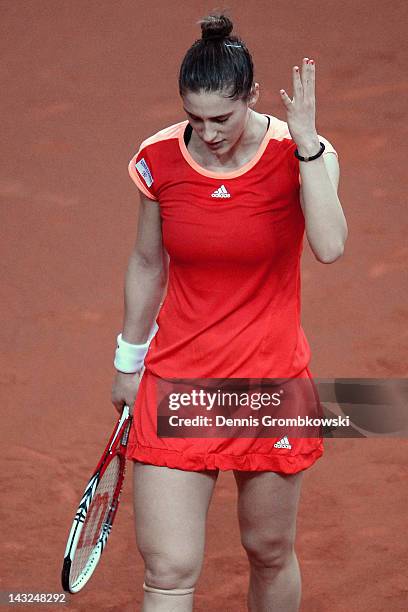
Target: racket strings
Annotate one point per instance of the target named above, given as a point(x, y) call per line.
point(95, 521)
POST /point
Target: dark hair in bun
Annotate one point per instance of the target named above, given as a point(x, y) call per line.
point(217, 62)
point(215, 26)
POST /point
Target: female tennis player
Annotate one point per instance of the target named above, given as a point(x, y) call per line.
point(212, 290)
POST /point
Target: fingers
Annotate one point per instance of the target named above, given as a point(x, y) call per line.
point(303, 81)
point(305, 70)
point(124, 390)
point(297, 83)
point(285, 98)
point(308, 76)
point(119, 406)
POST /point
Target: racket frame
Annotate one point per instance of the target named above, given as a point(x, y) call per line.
point(115, 447)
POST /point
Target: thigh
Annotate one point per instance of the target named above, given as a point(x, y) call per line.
point(267, 510)
point(171, 507)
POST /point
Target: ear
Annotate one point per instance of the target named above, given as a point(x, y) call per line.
point(254, 95)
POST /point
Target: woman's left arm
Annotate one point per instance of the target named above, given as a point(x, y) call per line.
point(325, 223)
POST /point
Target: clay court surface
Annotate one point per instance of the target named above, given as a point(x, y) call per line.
point(83, 83)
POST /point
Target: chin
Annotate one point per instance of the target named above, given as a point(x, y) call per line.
point(226, 146)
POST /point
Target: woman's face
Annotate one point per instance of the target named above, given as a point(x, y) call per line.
point(218, 121)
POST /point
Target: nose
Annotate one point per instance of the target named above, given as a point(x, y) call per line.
point(209, 135)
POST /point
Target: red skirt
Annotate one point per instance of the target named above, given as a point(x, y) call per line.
point(289, 456)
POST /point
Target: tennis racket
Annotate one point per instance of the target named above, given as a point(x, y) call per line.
point(96, 511)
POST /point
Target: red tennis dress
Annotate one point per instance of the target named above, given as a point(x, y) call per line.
point(232, 307)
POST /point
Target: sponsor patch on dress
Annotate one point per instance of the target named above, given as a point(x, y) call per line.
point(144, 171)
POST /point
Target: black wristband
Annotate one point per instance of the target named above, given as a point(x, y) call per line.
point(306, 159)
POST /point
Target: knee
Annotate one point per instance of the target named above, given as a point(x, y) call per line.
point(268, 552)
point(172, 571)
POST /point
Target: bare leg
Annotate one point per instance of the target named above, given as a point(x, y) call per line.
point(171, 508)
point(267, 511)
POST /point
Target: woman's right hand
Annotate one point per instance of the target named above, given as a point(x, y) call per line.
point(124, 390)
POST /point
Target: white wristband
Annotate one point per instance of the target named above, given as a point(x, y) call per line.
point(129, 358)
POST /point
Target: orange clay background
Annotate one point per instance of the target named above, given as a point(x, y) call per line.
point(84, 81)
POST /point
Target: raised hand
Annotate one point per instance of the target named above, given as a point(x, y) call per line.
point(301, 110)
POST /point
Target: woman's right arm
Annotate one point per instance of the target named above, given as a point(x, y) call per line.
point(145, 283)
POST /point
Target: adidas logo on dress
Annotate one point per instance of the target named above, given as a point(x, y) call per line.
point(283, 443)
point(221, 192)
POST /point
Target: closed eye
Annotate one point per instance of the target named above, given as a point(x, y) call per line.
point(216, 119)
